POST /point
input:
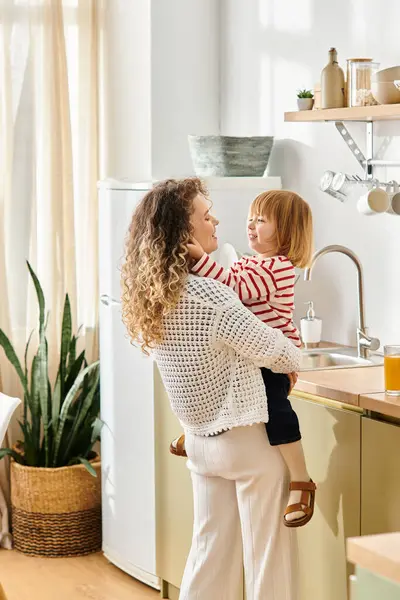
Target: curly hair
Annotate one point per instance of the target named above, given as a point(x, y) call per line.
point(156, 258)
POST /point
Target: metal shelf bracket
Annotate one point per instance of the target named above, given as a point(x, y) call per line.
point(368, 162)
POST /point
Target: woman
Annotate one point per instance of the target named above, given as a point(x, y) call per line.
point(209, 348)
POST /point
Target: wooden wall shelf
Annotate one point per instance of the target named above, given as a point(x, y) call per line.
point(381, 112)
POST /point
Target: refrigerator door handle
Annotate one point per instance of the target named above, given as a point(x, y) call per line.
point(108, 300)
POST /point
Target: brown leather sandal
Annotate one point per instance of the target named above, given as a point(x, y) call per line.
point(179, 449)
point(306, 504)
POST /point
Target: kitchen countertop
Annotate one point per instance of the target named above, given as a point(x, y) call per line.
point(363, 387)
point(379, 554)
point(381, 403)
point(344, 385)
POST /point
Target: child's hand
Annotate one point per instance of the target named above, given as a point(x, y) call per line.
point(195, 249)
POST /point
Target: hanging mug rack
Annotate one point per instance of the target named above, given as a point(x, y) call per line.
point(374, 196)
point(341, 185)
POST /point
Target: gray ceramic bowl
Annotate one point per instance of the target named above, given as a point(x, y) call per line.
point(228, 156)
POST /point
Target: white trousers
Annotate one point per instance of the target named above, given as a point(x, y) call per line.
point(240, 493)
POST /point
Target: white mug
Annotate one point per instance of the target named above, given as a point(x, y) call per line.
point(375, 201)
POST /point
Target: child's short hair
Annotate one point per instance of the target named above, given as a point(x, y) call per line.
point(293, 222)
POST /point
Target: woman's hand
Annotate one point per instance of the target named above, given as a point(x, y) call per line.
point(195, 249)
point(293, 377)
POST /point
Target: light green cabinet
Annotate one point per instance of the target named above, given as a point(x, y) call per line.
point(174, 500)
point(380, 497)
point(369, 586)
point(331, 440)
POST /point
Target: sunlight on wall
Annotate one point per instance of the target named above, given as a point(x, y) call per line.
point(287, 78)
point(358, 24)
point(293, 15)
point(264, 13)
point(266, 97)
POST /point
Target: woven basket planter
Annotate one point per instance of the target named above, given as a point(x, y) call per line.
point(56, 512)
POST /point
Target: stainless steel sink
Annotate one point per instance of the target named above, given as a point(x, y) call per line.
point(336, 358)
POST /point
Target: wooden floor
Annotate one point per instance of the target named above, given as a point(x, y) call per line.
point(87, 578)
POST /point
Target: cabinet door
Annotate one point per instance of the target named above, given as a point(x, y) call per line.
point(174, 500)
point(380, 477)
point(370, 587)
point(331, 439)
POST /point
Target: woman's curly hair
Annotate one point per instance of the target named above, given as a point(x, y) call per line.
point(156, 258)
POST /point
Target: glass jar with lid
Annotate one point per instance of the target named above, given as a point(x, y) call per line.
point(360, 73)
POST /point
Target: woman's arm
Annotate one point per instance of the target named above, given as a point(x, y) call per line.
point(248, 336)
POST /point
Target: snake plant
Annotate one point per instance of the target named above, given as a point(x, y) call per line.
point(60, 423)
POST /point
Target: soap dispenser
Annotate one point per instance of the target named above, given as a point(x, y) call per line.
point(310, 327)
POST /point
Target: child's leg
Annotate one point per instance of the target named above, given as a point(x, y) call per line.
point(283, 431)
point(293, 456)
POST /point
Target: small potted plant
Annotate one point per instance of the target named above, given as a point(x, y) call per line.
point(55, 474)
point(305, 100)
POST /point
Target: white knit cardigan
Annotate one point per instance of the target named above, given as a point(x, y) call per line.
point(210, 357)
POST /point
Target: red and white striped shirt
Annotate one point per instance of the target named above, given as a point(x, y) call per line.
point(264, 285)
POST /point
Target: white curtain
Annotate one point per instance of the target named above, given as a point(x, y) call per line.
point(48, 175)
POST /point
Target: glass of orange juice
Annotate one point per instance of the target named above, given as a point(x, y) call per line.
point(392, 370)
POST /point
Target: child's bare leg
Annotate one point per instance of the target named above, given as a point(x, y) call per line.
point(293, 455)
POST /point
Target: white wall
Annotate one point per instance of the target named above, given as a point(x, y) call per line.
point(185, 80)
point(271, 48)
point(125, 70)
point(161, 82)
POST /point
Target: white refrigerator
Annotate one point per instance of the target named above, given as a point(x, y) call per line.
point(127, 376)
point(127, 404)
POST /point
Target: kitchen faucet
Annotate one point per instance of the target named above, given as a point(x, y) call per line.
point(364, 342)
